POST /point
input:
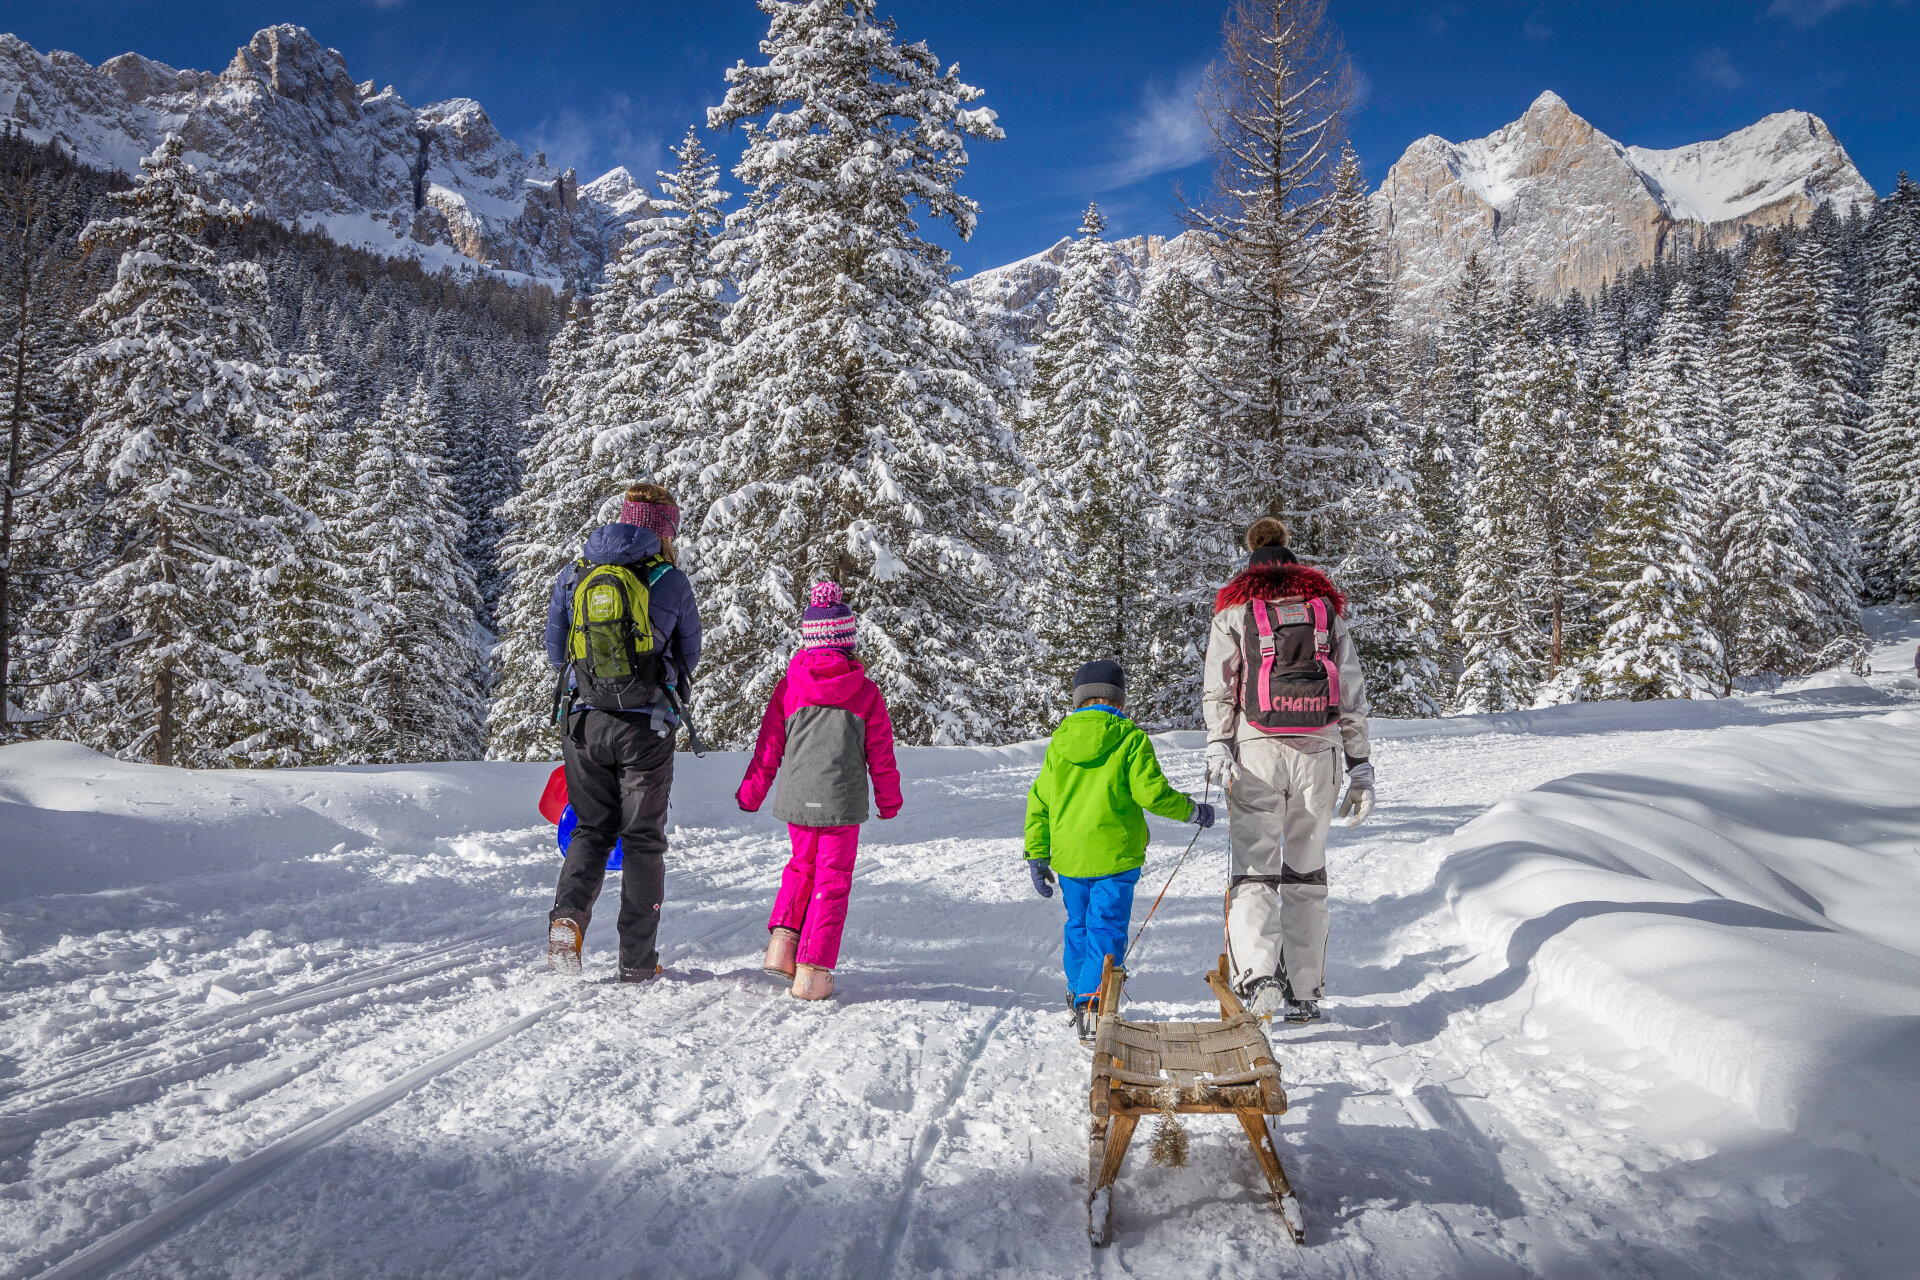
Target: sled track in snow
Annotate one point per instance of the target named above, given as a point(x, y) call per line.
point(901, 1223)
point(199, 1023)
point(149, 1067)
point(236, 1179)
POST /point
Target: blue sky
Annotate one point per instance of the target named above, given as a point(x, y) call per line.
point(1095, 97)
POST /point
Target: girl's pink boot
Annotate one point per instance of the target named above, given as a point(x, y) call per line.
point(812, 983)
point(782, 946)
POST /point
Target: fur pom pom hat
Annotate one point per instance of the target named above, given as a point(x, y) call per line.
point(1267, 540)
point(828, 623)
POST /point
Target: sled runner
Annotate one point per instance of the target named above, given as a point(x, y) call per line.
point(1142, 1069)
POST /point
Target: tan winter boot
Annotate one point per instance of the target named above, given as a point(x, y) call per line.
point(812, 983)
point(563, 947)
point(781, 949)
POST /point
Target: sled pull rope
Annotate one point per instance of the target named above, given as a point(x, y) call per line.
point(1126, 960)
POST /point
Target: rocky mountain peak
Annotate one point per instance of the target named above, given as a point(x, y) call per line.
point(1552, 195)
point(289, 63)
point(141, 77)
point(286, 127)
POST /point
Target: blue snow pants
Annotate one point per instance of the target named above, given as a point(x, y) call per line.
point(1098, 909)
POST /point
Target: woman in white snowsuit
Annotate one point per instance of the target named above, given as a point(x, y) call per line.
point(1284, 699)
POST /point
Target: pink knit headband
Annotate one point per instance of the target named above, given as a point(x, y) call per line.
point(661, 517)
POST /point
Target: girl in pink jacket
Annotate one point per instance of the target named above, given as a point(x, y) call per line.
point(825, 730)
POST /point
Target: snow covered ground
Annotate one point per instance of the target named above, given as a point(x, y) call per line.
point(1615, 991)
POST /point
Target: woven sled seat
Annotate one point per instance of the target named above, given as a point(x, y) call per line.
point(1147, 1068)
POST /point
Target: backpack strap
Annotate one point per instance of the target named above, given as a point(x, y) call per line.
point(576, 626)
point(1265, 622)
point(1323, 649)
point(656, 570)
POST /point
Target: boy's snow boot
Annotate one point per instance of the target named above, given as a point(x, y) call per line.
point(563, 947)
point(1301, 1012)
point(810, 982)
point(782, 946)
point(641, 975)
point(1265, 997)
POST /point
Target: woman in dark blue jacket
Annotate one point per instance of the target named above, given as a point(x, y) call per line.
point(620, 761)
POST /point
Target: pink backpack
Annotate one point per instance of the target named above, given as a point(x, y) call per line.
point(1291, 682)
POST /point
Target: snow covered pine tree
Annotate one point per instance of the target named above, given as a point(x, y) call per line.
point(1088, 502)
point(164, 631)
point(419, 667)
point(1783, 483)
point(862, 406)
point(661, 313)
point(306, 623)
point(1650, 560)
point(1362, 450)
point(1193, 548)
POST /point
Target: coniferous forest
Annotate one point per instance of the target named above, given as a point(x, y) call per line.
point(274, 502)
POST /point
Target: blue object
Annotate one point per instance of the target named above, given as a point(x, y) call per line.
point(568, 821)
point(1042, 872)
point(1202, 814)
point(1098, 909)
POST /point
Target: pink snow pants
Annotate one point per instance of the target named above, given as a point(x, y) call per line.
point(814, 888)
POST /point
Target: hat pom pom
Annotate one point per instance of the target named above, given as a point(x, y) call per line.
point(826, 594)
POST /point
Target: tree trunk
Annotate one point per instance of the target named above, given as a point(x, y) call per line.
point(16, 450)
point(163, 710)
point(1554, 673)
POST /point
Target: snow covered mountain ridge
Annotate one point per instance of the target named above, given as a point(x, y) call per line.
point(1553, 195)
point(286, 127)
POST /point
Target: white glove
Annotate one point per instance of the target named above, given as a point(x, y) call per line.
point(1359, 801)
point(1221, 766)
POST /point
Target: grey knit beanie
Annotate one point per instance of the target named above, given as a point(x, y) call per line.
point(1100, 679)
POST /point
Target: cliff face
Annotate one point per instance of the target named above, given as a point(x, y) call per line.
point(287, 128)
point(1017, 299)
point(1553, 195)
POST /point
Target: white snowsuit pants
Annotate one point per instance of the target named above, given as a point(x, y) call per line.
point(1278, 812)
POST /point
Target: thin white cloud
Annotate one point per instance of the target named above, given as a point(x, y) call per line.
point(1808, 13)
point(620, 132)
point(1362, 89)
point(1536, 27)
point(1714, 69)
point(1165, 134)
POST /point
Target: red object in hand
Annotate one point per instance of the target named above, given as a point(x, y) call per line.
point(553, 801)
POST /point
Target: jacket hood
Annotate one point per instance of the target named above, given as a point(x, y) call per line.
point(626, 544)
point(825, 677)
point(1090, 736)
point(1277, 582)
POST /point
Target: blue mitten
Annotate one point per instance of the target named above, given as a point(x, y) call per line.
point(1202, 814)
point(1042, 872)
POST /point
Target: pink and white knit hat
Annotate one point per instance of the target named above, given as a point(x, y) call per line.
point(828, 623)
point(661, 517)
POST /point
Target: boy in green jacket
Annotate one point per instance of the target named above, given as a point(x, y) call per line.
point(1084, 825)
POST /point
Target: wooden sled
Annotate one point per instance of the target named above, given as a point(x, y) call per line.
point(1223, 1067)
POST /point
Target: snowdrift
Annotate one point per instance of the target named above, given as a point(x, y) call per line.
point(1748, 907)
point(75, 821)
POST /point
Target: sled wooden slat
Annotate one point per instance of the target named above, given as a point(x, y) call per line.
point(1212, 1068)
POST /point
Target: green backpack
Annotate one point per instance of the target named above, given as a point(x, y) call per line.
point(615, 656)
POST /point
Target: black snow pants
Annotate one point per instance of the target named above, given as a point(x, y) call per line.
point(619, 770)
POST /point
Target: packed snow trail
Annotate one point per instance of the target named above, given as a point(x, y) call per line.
point(358, 961)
